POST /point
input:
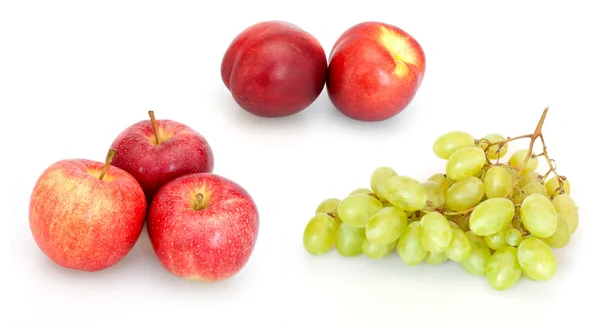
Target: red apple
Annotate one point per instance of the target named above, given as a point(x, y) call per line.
point(157, 151)
point(86, 215)
point(203, 227)
point(274, 69)
point(375, 70)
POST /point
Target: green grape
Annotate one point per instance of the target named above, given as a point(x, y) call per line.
point(386, 225)
point(564, 204)
point(460, 247)
point(436, 233)
point(465, 162)
point(453, 224)
point(529, 177)
point(319, 234)
point(497, 240)
point(435, 258)
point(349, 240)
point(536, 259)
point(328, 206)
point(476, 262)
point(378, 179)
point(535, 188)
point(552, 186)
point(492, 151)
point(465, 194)
point(518, 158)
point(409, 246)
point(446, 144)
point(362, 190)
point(491, 216)
point(355, 210)
point(387, 204)
point(497, 182)
point(513, 237)
point(503, 270)
point(442, 180)
point(435, 195)
point(405, 193)
point(375, 251)
point(538, 215)
point(512, 171)
point(561, 236)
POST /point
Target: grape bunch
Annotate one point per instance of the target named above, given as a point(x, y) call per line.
point(491, 212)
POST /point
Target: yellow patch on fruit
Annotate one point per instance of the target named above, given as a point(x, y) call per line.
point(163, 134)
point(199, 198)
point(96, 173)
point(399, 48)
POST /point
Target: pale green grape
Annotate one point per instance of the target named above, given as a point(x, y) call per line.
point(529, 177)
point(349, 240)
point(436, 232)
point(512, 171)
point(513, 237)
point(492, 151)
point(538, 215)
point(503, 269)
point(435, 195)
point(564, 204)
point(375, 251)
point(355, 210)
point(465, 162)
point(491, 216)
point(442, 180)
point(476, 262)
point(536, 259)
point(409, 246)
point(405, 193)
point(435, 258)
point(561, 236)
point(328, 206)
point(446, 144)
point(465, 194)
point(453, 224)
point(497, 182)
point(378, 179)
point(319, 234)
point(552, 185)
point(534, 188)
point(497, 240)
point(518, 158)
point(460, 247)
point(362, 190)
point(386, 225)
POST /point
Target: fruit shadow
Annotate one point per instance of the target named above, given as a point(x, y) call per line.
point(320, 112)
point(142, 266)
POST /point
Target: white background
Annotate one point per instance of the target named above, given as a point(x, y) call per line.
point(73, 74)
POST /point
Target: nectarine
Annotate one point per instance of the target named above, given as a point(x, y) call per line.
point(375, 70)
point(274, 69)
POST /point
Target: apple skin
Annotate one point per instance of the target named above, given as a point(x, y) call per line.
point(274, 69)
point(209, 244)
point(81, 222)
point(182, 151)
point(375, 71)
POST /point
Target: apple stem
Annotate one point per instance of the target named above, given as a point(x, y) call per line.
point(199, 205)
point(109, 158)
point(154, 126)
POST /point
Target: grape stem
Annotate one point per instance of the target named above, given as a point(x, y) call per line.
point(533, 137)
